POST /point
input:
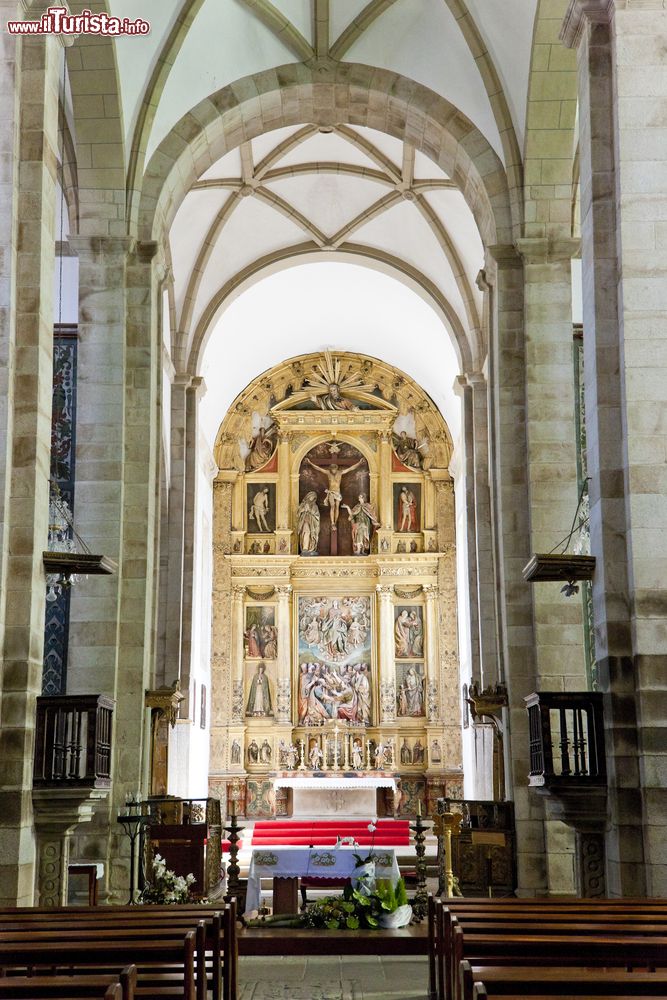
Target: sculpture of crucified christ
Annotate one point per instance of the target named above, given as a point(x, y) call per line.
point(333, 495)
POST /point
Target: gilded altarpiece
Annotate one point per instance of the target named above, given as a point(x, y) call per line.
point(334, 618)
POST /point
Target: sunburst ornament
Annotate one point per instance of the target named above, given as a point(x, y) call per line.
point(329, 383)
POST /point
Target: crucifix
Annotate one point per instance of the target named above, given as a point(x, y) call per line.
point(333, 469)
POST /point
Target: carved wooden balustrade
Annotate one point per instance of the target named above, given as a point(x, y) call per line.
point(73, 742)
point(566, 740)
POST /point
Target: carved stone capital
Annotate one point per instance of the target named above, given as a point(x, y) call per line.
point(385, 593)
point(238, 592)
point(581, 12)
point(284, 592)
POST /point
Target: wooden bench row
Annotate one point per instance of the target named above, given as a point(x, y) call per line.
point(178, 951)
point(71, 987)
point(531, 948)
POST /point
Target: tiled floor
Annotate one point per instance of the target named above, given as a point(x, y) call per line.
point(333, 978)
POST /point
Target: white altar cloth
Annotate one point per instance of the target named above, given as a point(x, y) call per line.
point(338, 784)
point(315, 862)
point(334, 795)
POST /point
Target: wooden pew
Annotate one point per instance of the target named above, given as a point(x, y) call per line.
point(555, 981)
point(80, 987)
point(480, 993)
point(85, 954)
point(149, 922)
point(516, 920)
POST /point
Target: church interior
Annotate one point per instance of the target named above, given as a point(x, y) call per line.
point(333, 451)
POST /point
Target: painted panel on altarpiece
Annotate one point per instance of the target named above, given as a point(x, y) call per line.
point(261, 500)
point(407, 507)
point(335, 644)
point(408, 633)
point(261, 634)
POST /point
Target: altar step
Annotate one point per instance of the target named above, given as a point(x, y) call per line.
point(325, 833)
point(289, 941)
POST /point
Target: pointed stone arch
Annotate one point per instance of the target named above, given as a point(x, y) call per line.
point(468, 354)
point(98, 127)
point(351, 94)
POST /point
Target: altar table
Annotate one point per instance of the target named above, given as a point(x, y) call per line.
point(335, 795)
point(292, 863)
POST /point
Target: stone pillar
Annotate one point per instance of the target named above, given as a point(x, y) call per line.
point(135, 639)
point(194, 394)
point(100, 457)
point(552, 457)
point(9, 119)
point(464, 391)
point(432, 656)
point(485, 563)
point(176, 530)
point(283, 665)
point(510, 498)
point(622, 60)
point(26, 339)
point(238, 628)
point(387, 670)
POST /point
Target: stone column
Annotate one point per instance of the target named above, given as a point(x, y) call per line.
point(387, 671)
point(622, 61)
point(194, 394)
point(100, 457)
point(552, 458)
point(464, 391)
point(432, 654)
point(510, 496)
point(26, 339)
point(175, 529)
point(283, 685)
point(238, 628)
point(486, 569)
point(135, 639)
point(9, 118)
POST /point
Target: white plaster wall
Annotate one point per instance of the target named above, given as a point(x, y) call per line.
point(66, 302)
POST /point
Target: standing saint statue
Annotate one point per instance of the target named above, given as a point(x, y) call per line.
point(362, 519)
point(308, 524)
point(332, 494)
point(259, 699)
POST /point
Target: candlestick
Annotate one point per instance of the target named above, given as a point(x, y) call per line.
point(302, 746)
point(368, 755)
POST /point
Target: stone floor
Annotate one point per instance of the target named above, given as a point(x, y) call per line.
point(333, 978)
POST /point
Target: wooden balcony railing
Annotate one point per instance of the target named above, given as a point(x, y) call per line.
point(566, 740)
point(73, 742)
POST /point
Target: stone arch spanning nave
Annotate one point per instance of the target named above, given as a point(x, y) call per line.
point(434, 197)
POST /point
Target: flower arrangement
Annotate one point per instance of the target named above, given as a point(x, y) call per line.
point(359, 908)
point(165, 886)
